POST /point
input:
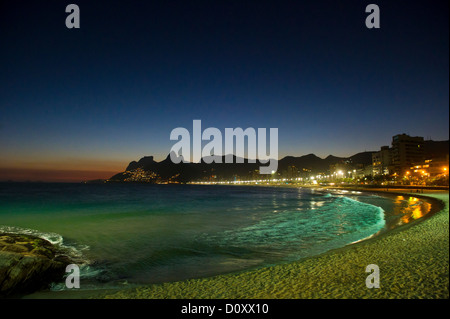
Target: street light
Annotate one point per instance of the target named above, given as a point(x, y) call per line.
point(407, 176)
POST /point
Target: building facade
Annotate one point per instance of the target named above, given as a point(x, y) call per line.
point(381, 161)
point(406, 150)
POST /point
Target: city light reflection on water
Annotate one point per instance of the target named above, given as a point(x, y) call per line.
point(410, 209)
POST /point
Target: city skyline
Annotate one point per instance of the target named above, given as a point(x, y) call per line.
point(86, 102)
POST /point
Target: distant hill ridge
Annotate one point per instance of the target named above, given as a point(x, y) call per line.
point(166, 169)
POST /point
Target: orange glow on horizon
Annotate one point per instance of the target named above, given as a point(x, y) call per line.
point(56, 175)
point(59, 170)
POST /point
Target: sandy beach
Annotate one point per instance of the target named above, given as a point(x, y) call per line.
point(413, 262)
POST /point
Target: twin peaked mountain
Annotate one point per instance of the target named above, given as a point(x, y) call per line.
point(150, 171)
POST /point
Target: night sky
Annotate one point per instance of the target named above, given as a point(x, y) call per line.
point(79, 104)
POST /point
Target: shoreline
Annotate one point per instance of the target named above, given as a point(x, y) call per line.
point(318, 276)
point(436, 205)
point(413, 261)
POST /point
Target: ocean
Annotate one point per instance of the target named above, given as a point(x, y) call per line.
point(132, 234)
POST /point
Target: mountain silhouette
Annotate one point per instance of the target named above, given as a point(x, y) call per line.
point(220, 169)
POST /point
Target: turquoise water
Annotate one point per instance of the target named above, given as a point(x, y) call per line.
point(124, 234)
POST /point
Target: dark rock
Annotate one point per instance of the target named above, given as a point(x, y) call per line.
point(28, 263)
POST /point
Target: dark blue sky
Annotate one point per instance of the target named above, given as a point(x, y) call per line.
point(110, 92)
